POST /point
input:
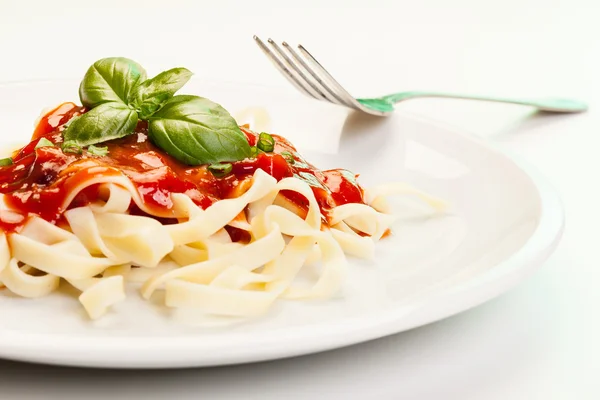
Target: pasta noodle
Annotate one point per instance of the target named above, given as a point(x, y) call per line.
point(233, 257)
point(210, 273)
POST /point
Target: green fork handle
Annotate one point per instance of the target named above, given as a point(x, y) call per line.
point(551, 105)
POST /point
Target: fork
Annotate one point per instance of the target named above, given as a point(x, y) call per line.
point(312, 79)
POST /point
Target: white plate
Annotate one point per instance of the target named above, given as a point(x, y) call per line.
point(505, 221)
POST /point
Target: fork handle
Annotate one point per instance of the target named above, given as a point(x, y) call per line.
point(550, 105)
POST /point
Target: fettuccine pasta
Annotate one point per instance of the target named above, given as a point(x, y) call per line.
point(222, 244)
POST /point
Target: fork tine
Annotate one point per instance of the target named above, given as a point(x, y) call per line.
point(282, 68)
point(339, 89)
point(317, 93)
point(324, 89)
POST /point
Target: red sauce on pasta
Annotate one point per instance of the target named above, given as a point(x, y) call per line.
point(40, 181)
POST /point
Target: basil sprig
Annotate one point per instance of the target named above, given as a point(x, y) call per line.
point(192, 129)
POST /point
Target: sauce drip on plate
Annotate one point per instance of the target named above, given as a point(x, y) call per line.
point(39, 180)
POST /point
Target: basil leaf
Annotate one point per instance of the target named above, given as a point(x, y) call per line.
point(104, 122)
point(6, 162)
point(110, 80)
point(69, 122)
point(151, 94)
point(197, 131)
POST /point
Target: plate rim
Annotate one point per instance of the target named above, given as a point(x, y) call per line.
point(113, 352)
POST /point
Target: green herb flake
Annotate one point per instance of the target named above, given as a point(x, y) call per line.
point(220, 170)
point(265, 142)
point(97, 150)
point(43, 142)
point(4, 162)
point(71, 146)
point(255, 151)
point(288, 157)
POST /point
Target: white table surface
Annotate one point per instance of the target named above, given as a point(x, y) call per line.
point(539, 341)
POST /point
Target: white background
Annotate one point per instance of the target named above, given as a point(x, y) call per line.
point(539, 341)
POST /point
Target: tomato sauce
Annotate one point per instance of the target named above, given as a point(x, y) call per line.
point(40, 180)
